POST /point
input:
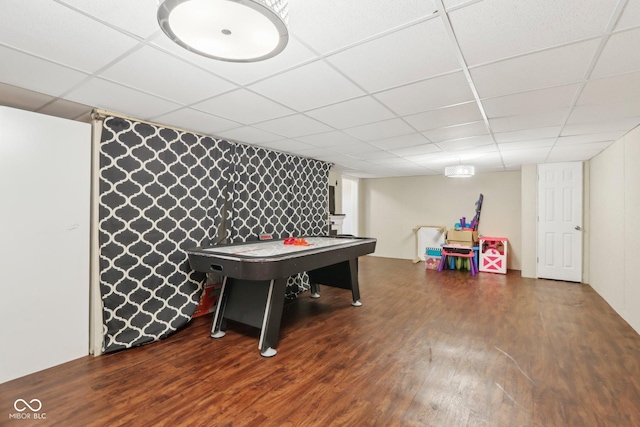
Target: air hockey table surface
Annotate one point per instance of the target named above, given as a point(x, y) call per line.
point(270, 259)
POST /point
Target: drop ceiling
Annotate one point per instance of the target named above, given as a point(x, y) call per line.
point(380, 88)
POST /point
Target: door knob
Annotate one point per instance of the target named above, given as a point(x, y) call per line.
point(578, 227)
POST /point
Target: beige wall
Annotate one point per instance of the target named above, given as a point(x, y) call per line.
point(391, 207)
point(614, 239)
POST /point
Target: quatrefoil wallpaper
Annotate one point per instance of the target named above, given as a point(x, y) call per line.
point(164, 190)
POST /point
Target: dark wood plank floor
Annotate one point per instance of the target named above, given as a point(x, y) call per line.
point(425, 349)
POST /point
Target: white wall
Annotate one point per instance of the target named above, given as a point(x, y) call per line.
point(391, 207)
point(615, 236)
point(44, 241)
point(350, 205)
point(529, 186)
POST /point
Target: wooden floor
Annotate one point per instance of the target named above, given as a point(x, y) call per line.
point(425, 349)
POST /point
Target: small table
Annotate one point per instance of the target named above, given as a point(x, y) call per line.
point(451, 251)
point(256, 277)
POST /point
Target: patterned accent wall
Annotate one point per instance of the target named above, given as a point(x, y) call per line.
point(162, 191)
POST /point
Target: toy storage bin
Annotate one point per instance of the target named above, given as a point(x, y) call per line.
point(432, 258)
point(493, 254)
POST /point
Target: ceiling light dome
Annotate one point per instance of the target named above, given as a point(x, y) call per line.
point(227, 30)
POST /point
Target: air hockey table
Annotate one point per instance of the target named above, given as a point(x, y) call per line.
point(255, 277)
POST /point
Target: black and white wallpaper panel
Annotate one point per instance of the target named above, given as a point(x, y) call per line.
point(162, 191)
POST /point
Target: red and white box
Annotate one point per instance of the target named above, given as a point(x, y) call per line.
point(493, 254)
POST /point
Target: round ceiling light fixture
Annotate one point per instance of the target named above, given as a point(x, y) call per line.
point(227, 30)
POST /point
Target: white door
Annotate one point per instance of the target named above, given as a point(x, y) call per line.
point(560, 221)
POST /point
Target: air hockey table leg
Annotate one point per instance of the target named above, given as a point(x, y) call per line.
point(216, 325)
point(355, 288)
point(272, 317)
point(315, 290)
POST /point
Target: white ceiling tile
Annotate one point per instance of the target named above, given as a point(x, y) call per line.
point(458, 131)
point(293, 126)
point(161, 42)
point(536, 143)
point(428, 94)
point(352, 113)
point(401, 141)
point(380, 130)
point(288, 145)
point(488, 162)
point(609, 111)
point(243, 106)
point(576, 152)
point(610, 89)
point(241, 73)
point(447, 116)
point(339, 159)
point(528, 135)
point(495, 29)
point(196, 121)
point(248, 135)
point(140, 18)
point(163, 75)
point(526, 156)
point(623, 124)
point(24, 99)
point(554, 67)
point(107, 95)
point(438, 160)
point(426, 51)
point(37, 74)
point(465, 143)
point(630, 16)
point(356, 150)
point(592, 137)
point(571, 156)
point(244, 73)
point(315, 153)
point(529, 102)
point(448, 4)
point(407, 165)
point(392, 162)
point(357, 164)
point(58, 33)
point(538, 119)
point(620, 54)
point(327, 25)
point(309, 86)
point(329, 139)
point(65, 109)
point(432, 160)
point(416, 150)
point(371, 156)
